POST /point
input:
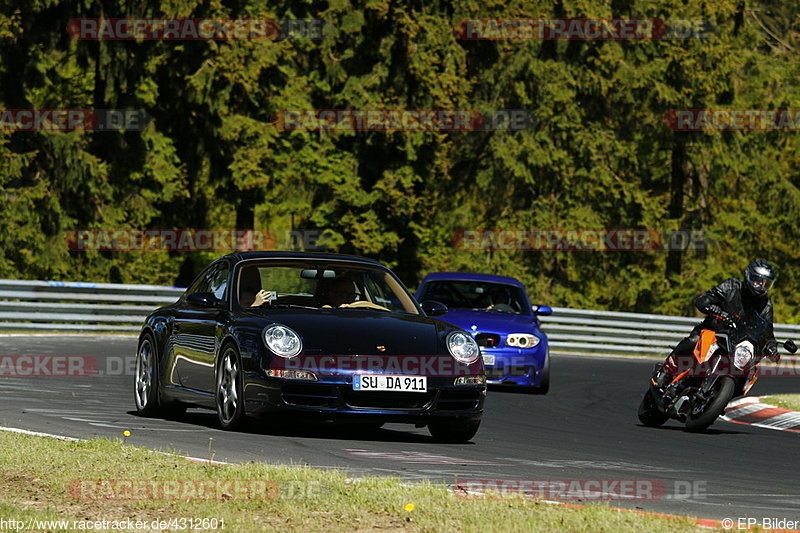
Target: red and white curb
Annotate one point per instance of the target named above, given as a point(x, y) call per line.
point(753, 412)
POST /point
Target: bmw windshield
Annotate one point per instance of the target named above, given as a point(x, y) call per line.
point(477, 295)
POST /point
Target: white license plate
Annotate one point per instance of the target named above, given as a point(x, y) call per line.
point(383, 382)
point(488, 359)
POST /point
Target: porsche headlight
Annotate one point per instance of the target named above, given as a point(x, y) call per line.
point(462, 347)
point(522, 340)
point(743, 354)
point(282, 341)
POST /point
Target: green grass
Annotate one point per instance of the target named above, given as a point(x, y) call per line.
point(787, 401)
point(36, 473)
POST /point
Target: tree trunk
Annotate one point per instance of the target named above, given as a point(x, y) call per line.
point(677, 187)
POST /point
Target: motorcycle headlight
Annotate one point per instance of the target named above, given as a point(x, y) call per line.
point(743, 354)
point(522, 340)
point(462, 347)
point(282, 341)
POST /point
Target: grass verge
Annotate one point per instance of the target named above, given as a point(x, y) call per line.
point(38, 474)
point(787, 401)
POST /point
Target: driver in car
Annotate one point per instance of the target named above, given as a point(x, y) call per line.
point(500, 300)
point(336, 292)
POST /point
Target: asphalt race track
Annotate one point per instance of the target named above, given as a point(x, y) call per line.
point(586, 428)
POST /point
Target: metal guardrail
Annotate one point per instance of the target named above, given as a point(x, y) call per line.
point(613, 332)
point(71, 306)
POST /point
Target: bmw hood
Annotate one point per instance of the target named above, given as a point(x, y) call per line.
point(490, 321)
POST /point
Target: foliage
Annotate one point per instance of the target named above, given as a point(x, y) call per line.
point(597, 156)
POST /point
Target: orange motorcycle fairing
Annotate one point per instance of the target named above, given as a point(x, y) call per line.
point(705, 345)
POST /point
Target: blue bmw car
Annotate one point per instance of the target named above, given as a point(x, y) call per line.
point(496, 310)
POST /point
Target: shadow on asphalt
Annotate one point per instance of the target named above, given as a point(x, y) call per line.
point(515, 389)
point(710, 431)
point(306, 429)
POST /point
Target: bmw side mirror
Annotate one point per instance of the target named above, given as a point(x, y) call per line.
point(434, 308)
point(203, 299)
point(542, 310)
point(790, 346)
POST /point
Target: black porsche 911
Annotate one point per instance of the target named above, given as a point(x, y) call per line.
point(333, 337)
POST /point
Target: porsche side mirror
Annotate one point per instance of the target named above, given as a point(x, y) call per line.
point(542, 310)
point(790, 346)
point(203, 299)
point(434, 308)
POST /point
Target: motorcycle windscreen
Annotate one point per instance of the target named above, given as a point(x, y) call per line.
point(705, 346)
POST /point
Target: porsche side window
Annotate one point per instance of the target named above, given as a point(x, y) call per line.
point(202, 283)
point(219, 282)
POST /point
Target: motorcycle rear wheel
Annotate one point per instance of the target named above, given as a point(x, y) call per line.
point(649, 413)
point(724, 389)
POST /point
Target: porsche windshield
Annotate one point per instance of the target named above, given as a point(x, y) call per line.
point(479, 295)
point(324, 286)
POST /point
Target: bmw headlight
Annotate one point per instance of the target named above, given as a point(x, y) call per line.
point(522, 340)
point(282, 340)
point(462, 347)
point(743, 354)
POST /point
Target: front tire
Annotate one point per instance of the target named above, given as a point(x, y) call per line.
point(649, 413)
point(724, 392)
point(544, 384)
point(147, 384)
point(229, 390)
point(453, 431)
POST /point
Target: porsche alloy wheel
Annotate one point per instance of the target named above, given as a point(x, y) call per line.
point(145, 378)
point(147, 386)
point(230, 399)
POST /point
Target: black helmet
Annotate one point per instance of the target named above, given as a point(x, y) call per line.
point(759, 276)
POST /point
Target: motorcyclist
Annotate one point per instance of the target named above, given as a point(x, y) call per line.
point(725, 305)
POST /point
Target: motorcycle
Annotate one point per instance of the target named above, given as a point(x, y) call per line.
point(722, 366)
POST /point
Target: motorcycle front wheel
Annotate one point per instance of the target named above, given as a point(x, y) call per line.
point(649, 413)
point(722, 394)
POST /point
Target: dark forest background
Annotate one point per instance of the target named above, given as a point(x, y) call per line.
point(598, 155)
